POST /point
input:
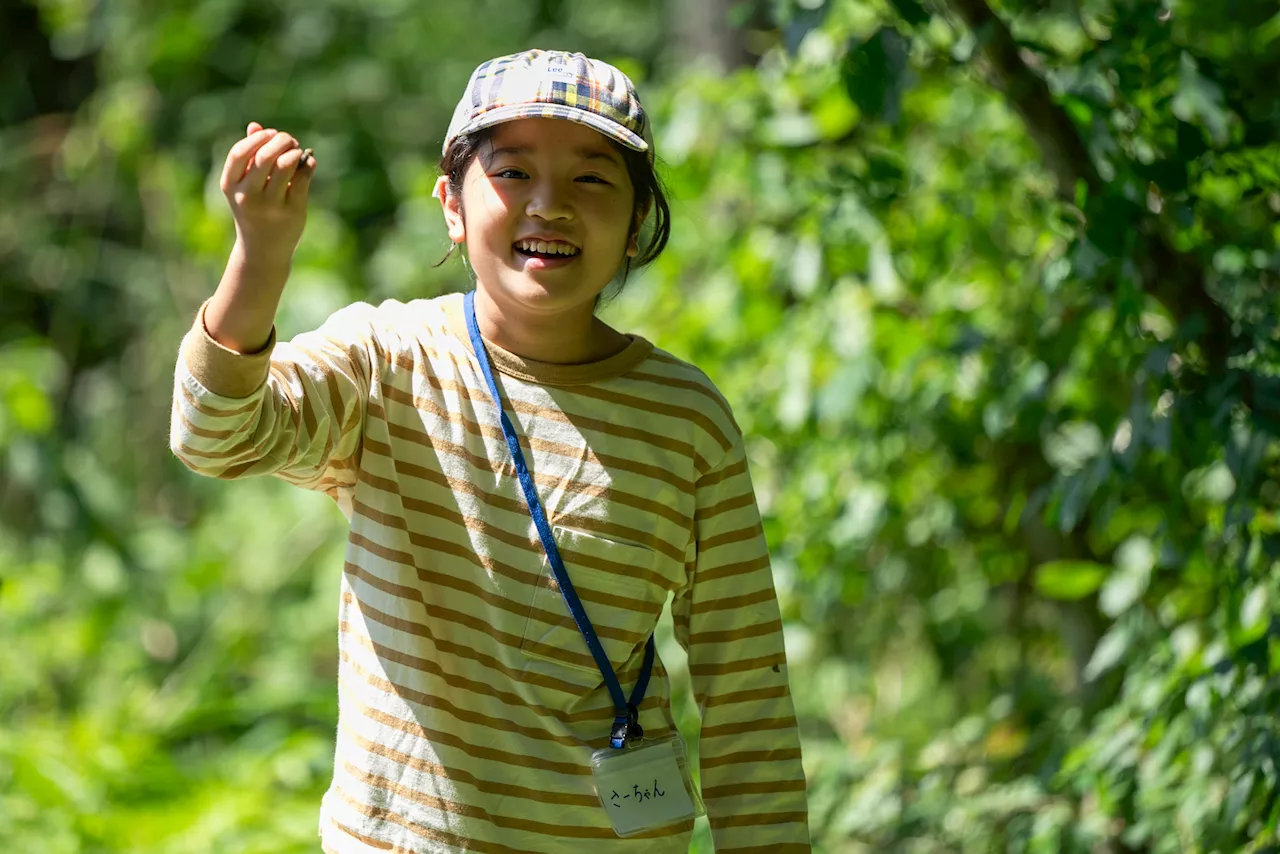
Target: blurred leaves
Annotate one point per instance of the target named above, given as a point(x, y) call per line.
point(876, 74)
point(1001, 467)
point(1199, 101)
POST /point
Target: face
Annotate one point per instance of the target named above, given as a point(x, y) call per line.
point(545, 211)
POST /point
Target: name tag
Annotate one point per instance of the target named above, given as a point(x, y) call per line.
point(642, 788)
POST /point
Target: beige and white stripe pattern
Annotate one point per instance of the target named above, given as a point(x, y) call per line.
point(468, 703)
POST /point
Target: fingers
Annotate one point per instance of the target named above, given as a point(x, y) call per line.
point(241, 155)
point(269, 162)
point(287, 166)
point(300, 188)
point(265, 159)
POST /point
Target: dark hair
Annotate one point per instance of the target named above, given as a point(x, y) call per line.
point(650, 196)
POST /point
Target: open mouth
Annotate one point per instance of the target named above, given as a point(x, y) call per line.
point(547, 250)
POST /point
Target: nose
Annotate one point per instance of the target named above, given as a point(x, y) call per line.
point(548, 201)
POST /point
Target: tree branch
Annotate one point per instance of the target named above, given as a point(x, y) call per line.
point(1047, 123)
point(1175, 279)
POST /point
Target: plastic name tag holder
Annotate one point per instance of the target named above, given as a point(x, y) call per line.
point(646, 787)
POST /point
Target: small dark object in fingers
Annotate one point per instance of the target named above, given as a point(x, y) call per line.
point(306, 155)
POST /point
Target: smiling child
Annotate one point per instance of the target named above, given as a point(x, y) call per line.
point(525, 487)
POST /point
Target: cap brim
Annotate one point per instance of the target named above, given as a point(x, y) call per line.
point(596, 122)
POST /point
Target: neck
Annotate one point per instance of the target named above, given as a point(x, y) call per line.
point(569, 337)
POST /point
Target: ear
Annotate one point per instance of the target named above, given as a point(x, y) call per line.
point(633, 245)
point(452, 207)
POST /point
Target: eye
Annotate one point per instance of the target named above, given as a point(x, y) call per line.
point(593, 179)
point(510, 172)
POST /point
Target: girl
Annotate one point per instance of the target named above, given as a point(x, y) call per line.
point(525, 485)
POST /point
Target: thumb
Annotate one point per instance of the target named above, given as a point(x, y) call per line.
point(254, 127)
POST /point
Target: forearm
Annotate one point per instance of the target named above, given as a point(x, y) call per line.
point(243, 309)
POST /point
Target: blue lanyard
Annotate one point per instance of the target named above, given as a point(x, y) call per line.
point(626, 724)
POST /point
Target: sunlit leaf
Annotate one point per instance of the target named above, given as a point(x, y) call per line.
point(1067, 579)
point(1134, 561)
point(1073, 445)
point(1109, 651)
point(1254, 614)
point(1199, 100)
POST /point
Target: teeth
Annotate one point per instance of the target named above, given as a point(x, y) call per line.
point(545, 248)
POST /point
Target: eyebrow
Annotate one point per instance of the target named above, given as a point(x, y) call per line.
point(582, 151)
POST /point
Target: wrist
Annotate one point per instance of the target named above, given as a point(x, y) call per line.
point(260, 261)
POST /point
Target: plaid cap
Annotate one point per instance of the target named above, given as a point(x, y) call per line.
point(552, 84)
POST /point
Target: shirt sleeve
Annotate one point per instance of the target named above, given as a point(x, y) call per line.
point(293, 409)
point(727, 619)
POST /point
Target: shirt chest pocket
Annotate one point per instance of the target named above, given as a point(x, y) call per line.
point(623, 607)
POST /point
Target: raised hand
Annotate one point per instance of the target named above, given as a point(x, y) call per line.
point(267, 179)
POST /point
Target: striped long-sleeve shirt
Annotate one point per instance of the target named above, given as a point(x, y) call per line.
point(468, 703)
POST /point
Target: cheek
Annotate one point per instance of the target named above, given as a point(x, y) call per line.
point(609, 216)
point(497, 202)
point(488, 212)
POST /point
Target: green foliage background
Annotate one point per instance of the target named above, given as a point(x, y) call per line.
point(992, 289)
